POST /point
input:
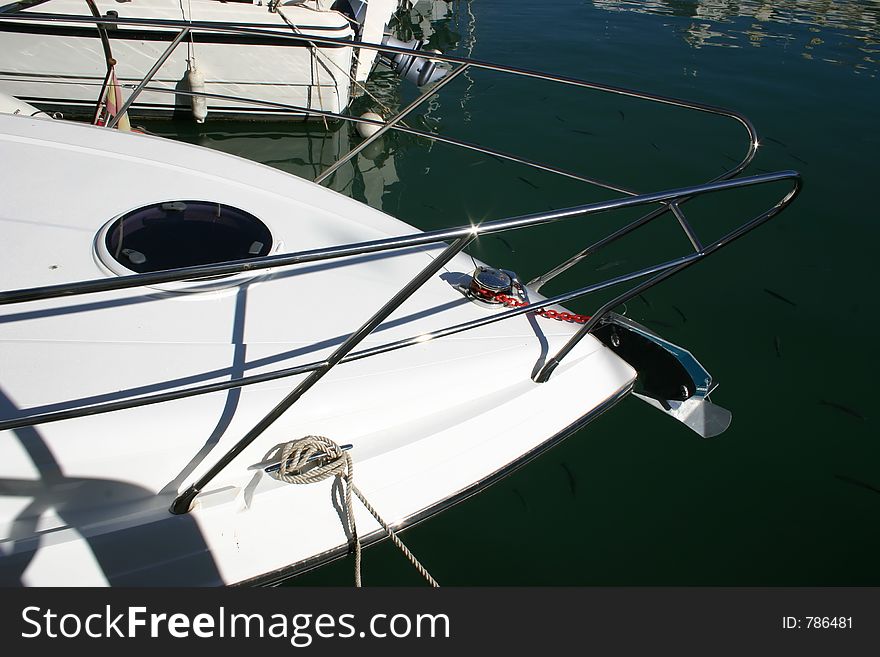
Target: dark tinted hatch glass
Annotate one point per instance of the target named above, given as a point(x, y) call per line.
point(185, 233)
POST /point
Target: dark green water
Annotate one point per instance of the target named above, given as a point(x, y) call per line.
point(790, 494)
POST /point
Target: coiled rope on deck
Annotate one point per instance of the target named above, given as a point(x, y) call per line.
point(333, 461)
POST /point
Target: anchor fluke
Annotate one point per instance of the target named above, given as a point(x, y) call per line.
point(670, 378)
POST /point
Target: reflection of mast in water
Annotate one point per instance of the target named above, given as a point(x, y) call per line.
point(425, 21)
point(373, 171)
point(436, 23)
point(424, 15)
point(471, 42)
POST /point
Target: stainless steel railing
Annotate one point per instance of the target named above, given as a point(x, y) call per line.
point(666, 201)
point(183, 28)
point(390, 244)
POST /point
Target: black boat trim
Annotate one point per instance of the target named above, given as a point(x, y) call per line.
point(164, 36)
point(233, 112)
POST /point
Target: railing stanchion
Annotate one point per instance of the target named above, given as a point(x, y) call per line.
point(397, 118)
point(686, 227)
point(184, 501)
point(149, 76)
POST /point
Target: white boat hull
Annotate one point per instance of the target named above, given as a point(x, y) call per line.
point(85, 500)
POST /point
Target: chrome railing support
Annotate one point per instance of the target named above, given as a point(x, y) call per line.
point(686, 227)
point(419, 239)
point(463, 62)
point(183, 502)
point(149, 76)
point(370, 247)
point(207, 388)
point(536, 283)
point(452, 141)
point(669, 200)
point(543, 374)
point(393, 121)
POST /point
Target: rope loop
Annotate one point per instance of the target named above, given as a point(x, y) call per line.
point(297, 454)
point(315, 458)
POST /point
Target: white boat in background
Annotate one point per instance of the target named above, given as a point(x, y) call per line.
point(60, 63)
point(186, 315)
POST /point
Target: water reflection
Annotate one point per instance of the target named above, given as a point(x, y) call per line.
point(307, 148)
point(833, 31)
point(445, 25)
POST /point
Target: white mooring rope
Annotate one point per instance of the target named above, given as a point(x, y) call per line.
point(335, 462)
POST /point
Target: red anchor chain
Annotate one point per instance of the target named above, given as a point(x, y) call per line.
point(513, 302)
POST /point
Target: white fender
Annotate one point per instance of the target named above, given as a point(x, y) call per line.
point(196, 83)
point(366, 130)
